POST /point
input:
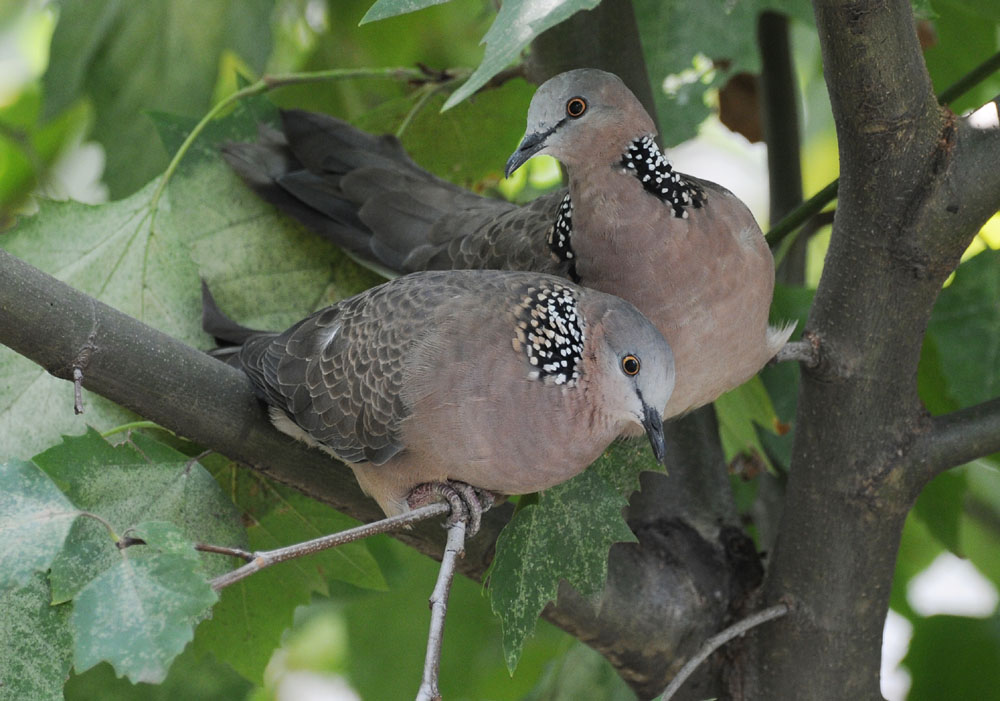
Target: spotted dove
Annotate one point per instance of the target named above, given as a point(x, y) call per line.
point(685, 251)
point(510, 382)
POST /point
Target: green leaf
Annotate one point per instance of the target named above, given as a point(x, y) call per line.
point(965, 327)
point(164, 537)
point(966, 35)
point(142, 480)
point(241, 123)
point(35, 643)
point(987, 9)
point(112, 252)
point(232, 235)
point(917, 550)
point(139, 614)
point(922, 9)
point(454, 144)
point(738, 410)
point(623, 461)
point(939, 506)
point(566, 535)
point(952, 657)
point(580, 673)
point(35, 518)
point(129, 58)
point(932, 385)
point(192, 677)
point(516, 25)
point(37, 146)
point(390, 8)
point(979, 538)
point(249, 620)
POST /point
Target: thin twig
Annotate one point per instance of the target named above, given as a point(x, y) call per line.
point(805, 351)
point(77, 391)
point(970, 80)
point(720, 639)
point(800, 214)
point(266, 558)
point(426, 93)
point(453, 549)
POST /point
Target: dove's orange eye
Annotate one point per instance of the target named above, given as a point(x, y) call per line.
point(576, 107)
point(630, 365)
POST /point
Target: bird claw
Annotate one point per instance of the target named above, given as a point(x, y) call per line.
point(467, 503)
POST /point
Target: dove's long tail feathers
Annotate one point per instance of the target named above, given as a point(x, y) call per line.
point(365, 194)
point(227, 333)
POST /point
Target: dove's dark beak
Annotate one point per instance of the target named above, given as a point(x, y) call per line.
point(531, 144)
point(653, 423)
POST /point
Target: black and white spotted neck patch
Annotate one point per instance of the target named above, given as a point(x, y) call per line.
point(550, 333)
point(644, 160)
point(560, 234)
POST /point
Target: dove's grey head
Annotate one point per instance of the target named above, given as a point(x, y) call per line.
point(635, 367)
point(581, 116)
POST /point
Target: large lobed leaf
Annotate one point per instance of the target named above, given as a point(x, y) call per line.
point(134, 606)
point(566, 535)
point(139, 614)
point(126, 485)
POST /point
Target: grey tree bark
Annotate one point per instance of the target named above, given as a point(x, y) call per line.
point(916, 184)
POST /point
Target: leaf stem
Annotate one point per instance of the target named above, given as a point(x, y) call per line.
point(720, 639)
point(135, 425)
point(426, 93)
point(106, 524)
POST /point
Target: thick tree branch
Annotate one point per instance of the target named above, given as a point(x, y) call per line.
point(907, 208)
point(960, 437)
